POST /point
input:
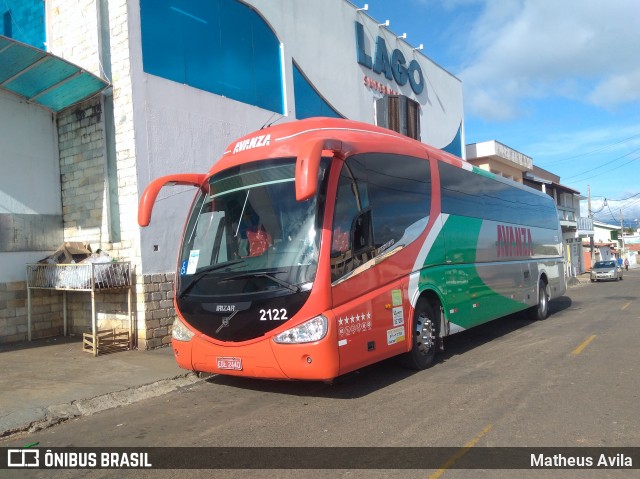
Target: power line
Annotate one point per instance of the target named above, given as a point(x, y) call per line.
point(611, 212)
point(623, 199)
point(604, 164)
point(632, 204)
point(610, 170)
point(596, 150)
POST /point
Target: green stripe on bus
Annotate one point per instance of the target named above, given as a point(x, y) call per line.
point(459, 283)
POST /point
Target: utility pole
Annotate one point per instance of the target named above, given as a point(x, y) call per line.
point(621, 235)
point(591, 245)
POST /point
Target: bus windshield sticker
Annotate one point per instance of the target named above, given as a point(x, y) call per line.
point(194, 256)
point(396, 297)
point(398, 316)
point(395, 335)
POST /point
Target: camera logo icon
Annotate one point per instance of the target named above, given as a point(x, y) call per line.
point(23, 458)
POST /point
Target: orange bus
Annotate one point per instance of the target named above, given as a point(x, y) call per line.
point(319, 246)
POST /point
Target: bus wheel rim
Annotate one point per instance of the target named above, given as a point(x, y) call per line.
point(544, 301)
point(425, 335)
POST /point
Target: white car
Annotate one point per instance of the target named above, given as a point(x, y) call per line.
point(606, 270)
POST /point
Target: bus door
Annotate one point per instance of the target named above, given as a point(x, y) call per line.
point(382, 205)
point(351, 251)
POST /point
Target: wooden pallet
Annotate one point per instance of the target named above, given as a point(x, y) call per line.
point(106, 341)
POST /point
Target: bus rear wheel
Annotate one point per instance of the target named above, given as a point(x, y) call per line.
point(541, 310)
point(424, 329)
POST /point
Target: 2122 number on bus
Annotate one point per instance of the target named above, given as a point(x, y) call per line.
point(273, 315)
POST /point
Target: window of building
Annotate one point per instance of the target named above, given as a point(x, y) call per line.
point(23, 20)
point(6, 21)
point(309, 102)
point(399, 113)
point(220, 46)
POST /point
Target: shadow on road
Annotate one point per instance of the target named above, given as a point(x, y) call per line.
point(385, 373)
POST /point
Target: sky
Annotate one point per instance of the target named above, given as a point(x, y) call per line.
point(557, 80)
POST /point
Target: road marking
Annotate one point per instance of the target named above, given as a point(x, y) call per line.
point(626, 305)
point(460, 453)
point(584, 344)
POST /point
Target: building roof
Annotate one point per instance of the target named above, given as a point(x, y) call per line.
point(499, 152)
point(43, 78)
point(603, 225)
point(599, 244)
point(536, 179)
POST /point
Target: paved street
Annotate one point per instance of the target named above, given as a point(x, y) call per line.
point(571, 380)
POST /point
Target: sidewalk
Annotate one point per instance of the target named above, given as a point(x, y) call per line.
point(582, 278)
point(48, 381)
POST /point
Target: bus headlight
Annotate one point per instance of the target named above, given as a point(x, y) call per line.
point(180, 332)
point(313, 330)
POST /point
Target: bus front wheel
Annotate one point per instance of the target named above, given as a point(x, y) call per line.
point(541, 310)
point(424, 329)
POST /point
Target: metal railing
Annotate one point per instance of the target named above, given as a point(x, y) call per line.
point(79, 277)
point(90, 277)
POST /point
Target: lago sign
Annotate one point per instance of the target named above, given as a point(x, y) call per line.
point(393, 66)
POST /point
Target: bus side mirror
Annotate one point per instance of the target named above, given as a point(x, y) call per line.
point(308, 166)
point(150, 193)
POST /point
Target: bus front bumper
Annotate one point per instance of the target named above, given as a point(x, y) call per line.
point(261, 359)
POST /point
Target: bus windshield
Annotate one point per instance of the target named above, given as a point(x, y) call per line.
point(247, 233)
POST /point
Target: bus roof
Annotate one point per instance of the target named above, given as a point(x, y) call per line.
point(344, 137)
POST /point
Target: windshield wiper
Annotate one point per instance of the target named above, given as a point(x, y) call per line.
point(264, 274)
point(206, 270)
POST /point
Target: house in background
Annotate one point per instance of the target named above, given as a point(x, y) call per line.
point(606, 244)
point(632, 254)
point(574, 227)
point(502, 160)
point(499, 159)
point(631, 247)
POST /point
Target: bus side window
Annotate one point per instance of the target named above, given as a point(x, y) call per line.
point(400, 196)
point(383, 202)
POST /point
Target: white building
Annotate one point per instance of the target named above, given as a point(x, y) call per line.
point(184, 79)
point(606, 245)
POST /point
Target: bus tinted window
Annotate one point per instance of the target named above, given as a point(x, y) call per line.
point(400, 195)
point(393, 193)
point(470, 194)
point(351, 200)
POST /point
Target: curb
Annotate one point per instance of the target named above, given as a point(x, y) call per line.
point(59, 413)
point(576, 281)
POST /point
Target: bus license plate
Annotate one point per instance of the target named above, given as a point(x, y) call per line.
point(230, 363)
